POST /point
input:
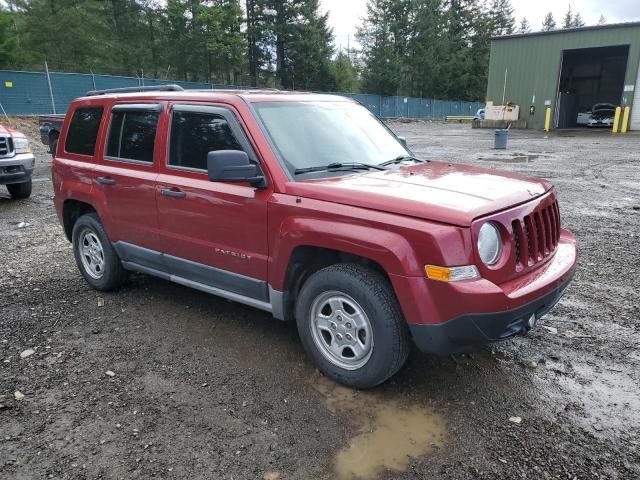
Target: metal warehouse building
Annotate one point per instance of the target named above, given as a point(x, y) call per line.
point(569, 71)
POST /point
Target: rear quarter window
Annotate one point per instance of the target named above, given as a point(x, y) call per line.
point(83, 131)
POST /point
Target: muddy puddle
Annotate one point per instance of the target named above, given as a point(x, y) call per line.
point(390, 434)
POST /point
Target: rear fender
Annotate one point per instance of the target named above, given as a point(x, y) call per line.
point(74, 181)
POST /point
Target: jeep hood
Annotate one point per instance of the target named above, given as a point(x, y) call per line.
point(453, 194)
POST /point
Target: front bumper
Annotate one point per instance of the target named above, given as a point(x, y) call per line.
point(456, 317)
point(464, 333)
point(17, 169)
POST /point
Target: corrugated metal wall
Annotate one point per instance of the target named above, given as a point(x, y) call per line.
point(532, 65)
point(27, 93)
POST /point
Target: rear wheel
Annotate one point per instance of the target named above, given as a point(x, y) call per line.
point(53, 143)
point(350, 323)
point(20, 191)
point(95, 256)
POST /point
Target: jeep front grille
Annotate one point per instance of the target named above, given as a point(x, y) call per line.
point(6, 146)
point(536, 236)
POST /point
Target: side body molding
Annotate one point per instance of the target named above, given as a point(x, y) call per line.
point(222, 283)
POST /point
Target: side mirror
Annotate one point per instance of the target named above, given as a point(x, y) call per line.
point(233, 166)
point(403, 141)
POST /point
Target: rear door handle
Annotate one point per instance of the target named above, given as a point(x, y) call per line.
point(173, 193)
point(106, 181)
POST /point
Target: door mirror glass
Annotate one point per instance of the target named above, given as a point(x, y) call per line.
point(233, 166)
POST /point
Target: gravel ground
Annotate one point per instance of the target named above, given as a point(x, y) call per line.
point(161, 381)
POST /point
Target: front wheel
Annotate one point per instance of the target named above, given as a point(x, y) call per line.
point(350, 323)
point(20, 191)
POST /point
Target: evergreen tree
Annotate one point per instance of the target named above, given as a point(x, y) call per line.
point(310, 48)
point(501, 13)
point(425, 48)
point(224, 43)
point(127, 35)
point(549, 23)
point(577, 21)
point(68, 35)
point(179, 40)
point(203, 40)
point(429, 48)
point(294, 36)
point(8, 39)
point(345, 74)
point(255, 54)
point(384, 39)
point(467, 47)
point(482, 29)
point(525, 26)
point(568, 18)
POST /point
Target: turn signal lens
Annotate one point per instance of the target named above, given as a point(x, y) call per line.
point(451, 274)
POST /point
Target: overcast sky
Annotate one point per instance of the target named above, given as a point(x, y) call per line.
point(345, 15)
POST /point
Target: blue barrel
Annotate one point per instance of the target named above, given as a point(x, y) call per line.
point(501, 139)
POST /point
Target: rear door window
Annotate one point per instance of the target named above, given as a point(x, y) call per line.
point(195, 134)
point(132, 134)
point(83, 131)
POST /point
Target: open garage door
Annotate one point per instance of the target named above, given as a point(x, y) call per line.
point(634, 124)
point(591, 85)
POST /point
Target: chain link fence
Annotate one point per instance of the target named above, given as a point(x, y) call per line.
point(42, 93)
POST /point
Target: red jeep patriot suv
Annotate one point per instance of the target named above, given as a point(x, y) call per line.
point(308, 207)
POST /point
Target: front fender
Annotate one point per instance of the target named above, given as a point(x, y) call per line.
point(390, 250)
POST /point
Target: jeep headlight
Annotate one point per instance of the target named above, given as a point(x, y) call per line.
point(489, 244)
point(21, 145)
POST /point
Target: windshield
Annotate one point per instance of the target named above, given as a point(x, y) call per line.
point(315, 134)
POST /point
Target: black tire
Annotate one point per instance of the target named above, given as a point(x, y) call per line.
point(112, 274)
point(374, 294)
point(19, 191)
point(53, 143)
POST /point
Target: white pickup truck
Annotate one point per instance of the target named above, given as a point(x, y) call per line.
point(16, 162)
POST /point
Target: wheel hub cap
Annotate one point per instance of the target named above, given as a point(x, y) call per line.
point(91, 254)
point(341, 330)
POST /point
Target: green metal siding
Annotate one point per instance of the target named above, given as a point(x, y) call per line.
point(533, 64)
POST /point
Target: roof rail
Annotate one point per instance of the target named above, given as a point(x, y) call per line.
point(155, 88)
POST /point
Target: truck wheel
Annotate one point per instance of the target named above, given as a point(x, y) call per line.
point(19, 191)
point(96, 258)
point(350, 323)
point(53, 143)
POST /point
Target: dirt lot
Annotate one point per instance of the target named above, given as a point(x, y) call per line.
point(205, 388)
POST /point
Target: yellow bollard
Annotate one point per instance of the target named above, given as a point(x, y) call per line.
point(547, 120)
point(625, 119)
point(616, 119)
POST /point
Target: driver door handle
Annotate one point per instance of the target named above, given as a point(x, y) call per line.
point(106, 181)
point(173, 193)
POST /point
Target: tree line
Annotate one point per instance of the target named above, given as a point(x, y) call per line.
point(424, 48)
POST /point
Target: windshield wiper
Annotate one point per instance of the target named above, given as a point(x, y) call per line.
point(339, 166)
point(401, 159)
